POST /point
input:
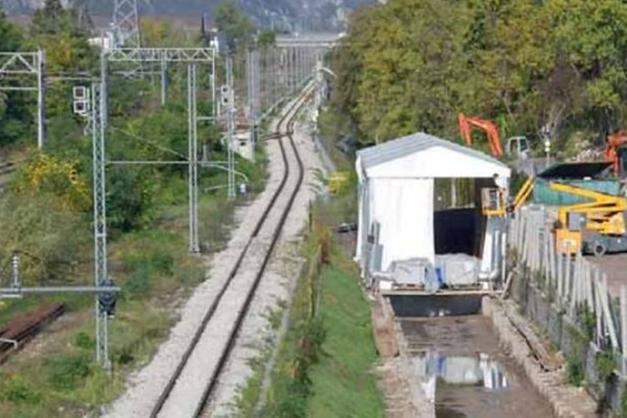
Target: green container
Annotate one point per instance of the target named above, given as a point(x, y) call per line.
point(543, 194)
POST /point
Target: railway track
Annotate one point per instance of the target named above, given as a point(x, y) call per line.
point(188, 390)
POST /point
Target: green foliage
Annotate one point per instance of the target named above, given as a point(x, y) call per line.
point(17, 389)
point(38, 227)
point(266, 38)
point(324, 363)
point(13, 113)
point(587, 320)
point(67, 372)
point(131, 198)
point(237, 26)
point(84, 341)
point(10, 36)
point(574, 371)
point(51, 19)
point(57, 31)
point(139, 281)
point(605, 365)
point(413, 65)
point(343, 383)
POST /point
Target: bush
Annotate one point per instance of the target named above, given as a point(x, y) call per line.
point(293, 404)
point(574, 371)
point(65, 373)
point(84, 341)
point(605, 365)
point(51, 175)
point(38, 227)
point(139, 281)
point(130, 198)
point(17, 390)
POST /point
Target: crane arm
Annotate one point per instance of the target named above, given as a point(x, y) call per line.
point(523, 194)
point(600, 210)
point(467, 123)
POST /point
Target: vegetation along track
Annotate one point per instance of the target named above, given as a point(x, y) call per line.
point(161, 407)
point(6, 169)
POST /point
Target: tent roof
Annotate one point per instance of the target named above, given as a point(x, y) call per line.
point(425, 156)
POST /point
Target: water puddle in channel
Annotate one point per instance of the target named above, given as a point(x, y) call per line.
point(461, 368)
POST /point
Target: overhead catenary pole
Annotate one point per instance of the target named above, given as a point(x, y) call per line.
point(41, 105)
point(101, 278)
point(164, 81)
point(230, 128)
point(125, 22)
point(194, 245)
point(14, 67)
point(212, 80)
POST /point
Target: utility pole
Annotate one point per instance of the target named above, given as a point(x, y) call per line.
point(101, 278)
point(213, 81)
point(194, 246)
point(41, 100)
point(253, 92)
point(230, 120)
point(164, 81)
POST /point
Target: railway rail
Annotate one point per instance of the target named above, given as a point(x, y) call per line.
point(273, 219)
point(21, 329)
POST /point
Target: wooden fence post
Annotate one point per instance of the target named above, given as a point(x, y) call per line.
point(608, 315)
point(598, 308)
point(623, 322)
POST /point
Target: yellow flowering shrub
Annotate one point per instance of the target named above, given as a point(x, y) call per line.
point(48, 174)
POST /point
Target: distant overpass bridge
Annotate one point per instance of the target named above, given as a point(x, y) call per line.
point(309, 40)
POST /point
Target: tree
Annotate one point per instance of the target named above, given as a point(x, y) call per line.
point(14, 113)
point(52, 19)
point(235, 24)
point(10, 36)
point(413, 65)
point(266, 38)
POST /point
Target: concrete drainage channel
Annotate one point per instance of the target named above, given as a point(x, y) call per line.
point(477, 360)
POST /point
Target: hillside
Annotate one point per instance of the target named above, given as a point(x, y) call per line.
point(299, 15)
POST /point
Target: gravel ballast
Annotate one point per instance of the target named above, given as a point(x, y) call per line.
point(145, 386)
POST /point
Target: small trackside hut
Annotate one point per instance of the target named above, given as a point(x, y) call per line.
point(402, 241)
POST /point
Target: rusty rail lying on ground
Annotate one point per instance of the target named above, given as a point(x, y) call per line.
point(21, 329)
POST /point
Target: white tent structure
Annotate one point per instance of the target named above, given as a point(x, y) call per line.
point(396, 193)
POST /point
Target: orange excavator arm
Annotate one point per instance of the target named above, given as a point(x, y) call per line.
point(467, 123)
point(614, 142)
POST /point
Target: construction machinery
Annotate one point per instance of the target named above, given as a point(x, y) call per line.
point(517, 145)
point(523, 194)
point(595, 227)
point(494, 201)
point(616, 152)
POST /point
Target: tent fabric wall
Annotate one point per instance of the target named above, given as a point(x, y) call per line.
point(404, 211)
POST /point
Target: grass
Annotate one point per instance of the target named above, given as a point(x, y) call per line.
point(59, 376)
point(325, 364)
point(343, 384)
